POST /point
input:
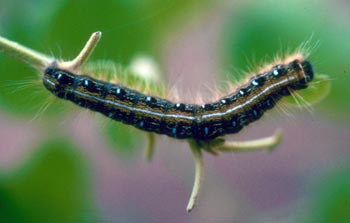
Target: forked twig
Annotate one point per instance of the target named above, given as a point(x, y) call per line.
point(40, 61)
point(220, 145)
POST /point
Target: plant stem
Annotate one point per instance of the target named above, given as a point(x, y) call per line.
point(24, 54)
point(84, 53)
point(198, 179)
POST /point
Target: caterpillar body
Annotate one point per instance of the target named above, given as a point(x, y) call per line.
point(203, 122)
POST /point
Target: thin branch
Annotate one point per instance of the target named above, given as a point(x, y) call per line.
point(84, 53)
point(40, 61)
point(268, 143)
point(198, 179)
point(24, 54)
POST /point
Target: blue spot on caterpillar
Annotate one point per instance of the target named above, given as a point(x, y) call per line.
point(183, 121)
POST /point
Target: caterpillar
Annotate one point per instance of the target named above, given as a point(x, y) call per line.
point(201, 124)
point(204, 122)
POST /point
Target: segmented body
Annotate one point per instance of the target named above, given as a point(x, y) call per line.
point(227, 115)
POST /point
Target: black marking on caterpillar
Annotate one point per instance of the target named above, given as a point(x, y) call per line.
point(179, 120)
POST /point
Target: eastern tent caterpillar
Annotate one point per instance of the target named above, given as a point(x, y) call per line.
point(183, 121)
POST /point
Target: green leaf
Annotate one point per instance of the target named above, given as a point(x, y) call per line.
point(50, 187)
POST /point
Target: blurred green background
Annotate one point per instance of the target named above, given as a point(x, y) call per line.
point(67, 165)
